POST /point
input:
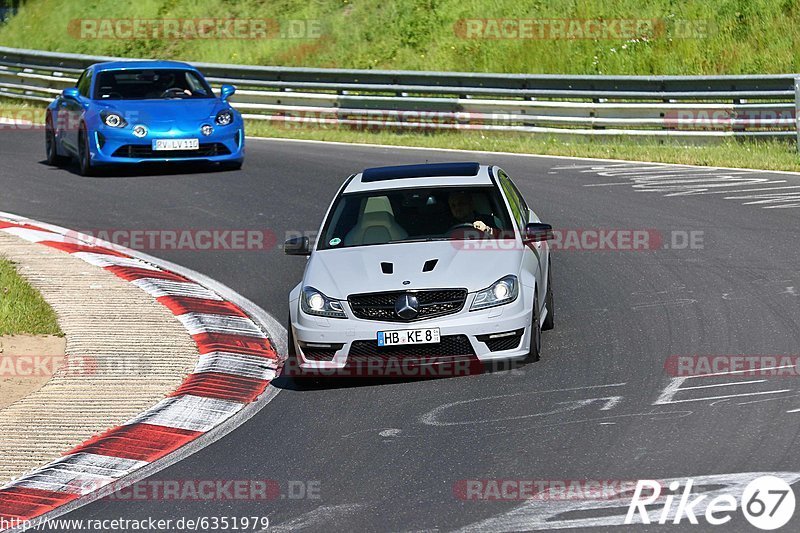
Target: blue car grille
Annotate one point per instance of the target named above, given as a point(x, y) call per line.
point(145, 151)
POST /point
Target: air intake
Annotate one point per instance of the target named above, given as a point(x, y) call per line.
point(387, 268)
point(429, 265)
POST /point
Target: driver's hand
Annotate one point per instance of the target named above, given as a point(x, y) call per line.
point(481, 226)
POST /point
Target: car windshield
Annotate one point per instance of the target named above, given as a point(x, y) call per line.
point(150, 84)
point(408, 215)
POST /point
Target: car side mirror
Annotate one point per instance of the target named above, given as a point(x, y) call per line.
point(537, 232)
point(226, 91)
point(297, 246)
point(71, 93)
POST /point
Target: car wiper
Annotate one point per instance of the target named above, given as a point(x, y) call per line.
point(425, 239)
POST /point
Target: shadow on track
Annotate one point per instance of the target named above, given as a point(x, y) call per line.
point(137, 170)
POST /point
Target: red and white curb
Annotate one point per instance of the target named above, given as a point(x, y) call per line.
point(229, 384)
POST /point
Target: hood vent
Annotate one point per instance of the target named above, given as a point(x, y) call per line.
point(429, 265)
point(387, 268)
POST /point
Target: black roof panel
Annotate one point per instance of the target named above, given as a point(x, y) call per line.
point(419, 171)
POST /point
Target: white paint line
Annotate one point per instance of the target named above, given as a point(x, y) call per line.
point(730, 372)
point(726, 396)
point(105, 260)
point(164, 287)
point(770, 399)
point(240, 365)
point(431, 417)
point(195, 413)
point(31, 235)
point(79, 473)
point(731, 384)
point(793, 411)
point(197, 323)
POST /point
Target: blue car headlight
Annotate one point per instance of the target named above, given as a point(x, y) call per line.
point(313, 302)
point(113, 120)
point(503, 291)
point(224, 117)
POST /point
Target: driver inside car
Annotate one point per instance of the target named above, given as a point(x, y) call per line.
point(463, 212)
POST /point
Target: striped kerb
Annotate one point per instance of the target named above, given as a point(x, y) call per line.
point(236, 365)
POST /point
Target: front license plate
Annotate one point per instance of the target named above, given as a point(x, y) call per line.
point(408, 336)
point(176, 144)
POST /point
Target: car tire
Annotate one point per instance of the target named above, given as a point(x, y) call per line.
point(535, 349)
point(549, 320)
point(50, 146)
point(292, 363)
point(84, 159)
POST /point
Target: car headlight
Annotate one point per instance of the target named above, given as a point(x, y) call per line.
point(313, 302)
point(224, 117)
point(501, 292)
point(113, 120)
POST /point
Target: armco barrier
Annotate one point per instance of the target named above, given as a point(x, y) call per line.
point(690, 107)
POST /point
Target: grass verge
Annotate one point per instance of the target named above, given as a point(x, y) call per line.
point(758, 154)
point(644, 37)
point(22, 308)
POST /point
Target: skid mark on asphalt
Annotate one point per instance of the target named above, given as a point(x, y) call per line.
point(431, 418)
point(749, 187)
point(318, 517)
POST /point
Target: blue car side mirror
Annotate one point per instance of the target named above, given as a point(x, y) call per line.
point(71, 93)
point(226, 91)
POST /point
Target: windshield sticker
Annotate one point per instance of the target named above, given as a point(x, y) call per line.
point(335, 241)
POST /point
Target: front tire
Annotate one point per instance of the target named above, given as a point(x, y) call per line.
point(535, 350)
point(50, 144)
point(549, 320)
point(84, 158)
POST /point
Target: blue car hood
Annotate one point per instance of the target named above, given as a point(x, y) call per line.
point(167, 114)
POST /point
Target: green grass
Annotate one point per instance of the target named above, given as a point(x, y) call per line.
point(22, 308)
point(767, 155)
point(731, 37)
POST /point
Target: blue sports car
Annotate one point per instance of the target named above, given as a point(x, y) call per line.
point(143, 111)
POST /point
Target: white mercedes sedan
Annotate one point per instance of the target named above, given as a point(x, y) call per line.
point(415, 266)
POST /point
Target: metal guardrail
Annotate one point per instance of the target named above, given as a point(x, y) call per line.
point(653, 106)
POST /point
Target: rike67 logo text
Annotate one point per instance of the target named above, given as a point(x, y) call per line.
point(767, 502)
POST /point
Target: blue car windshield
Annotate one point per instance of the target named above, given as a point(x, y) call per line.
point(150, 84)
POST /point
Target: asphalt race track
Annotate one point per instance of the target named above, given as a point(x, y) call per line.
point(598, 406)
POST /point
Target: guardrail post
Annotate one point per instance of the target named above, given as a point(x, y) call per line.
point(797, 110)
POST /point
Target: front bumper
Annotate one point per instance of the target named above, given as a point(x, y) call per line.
point(121, 146)
point(325, 344)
